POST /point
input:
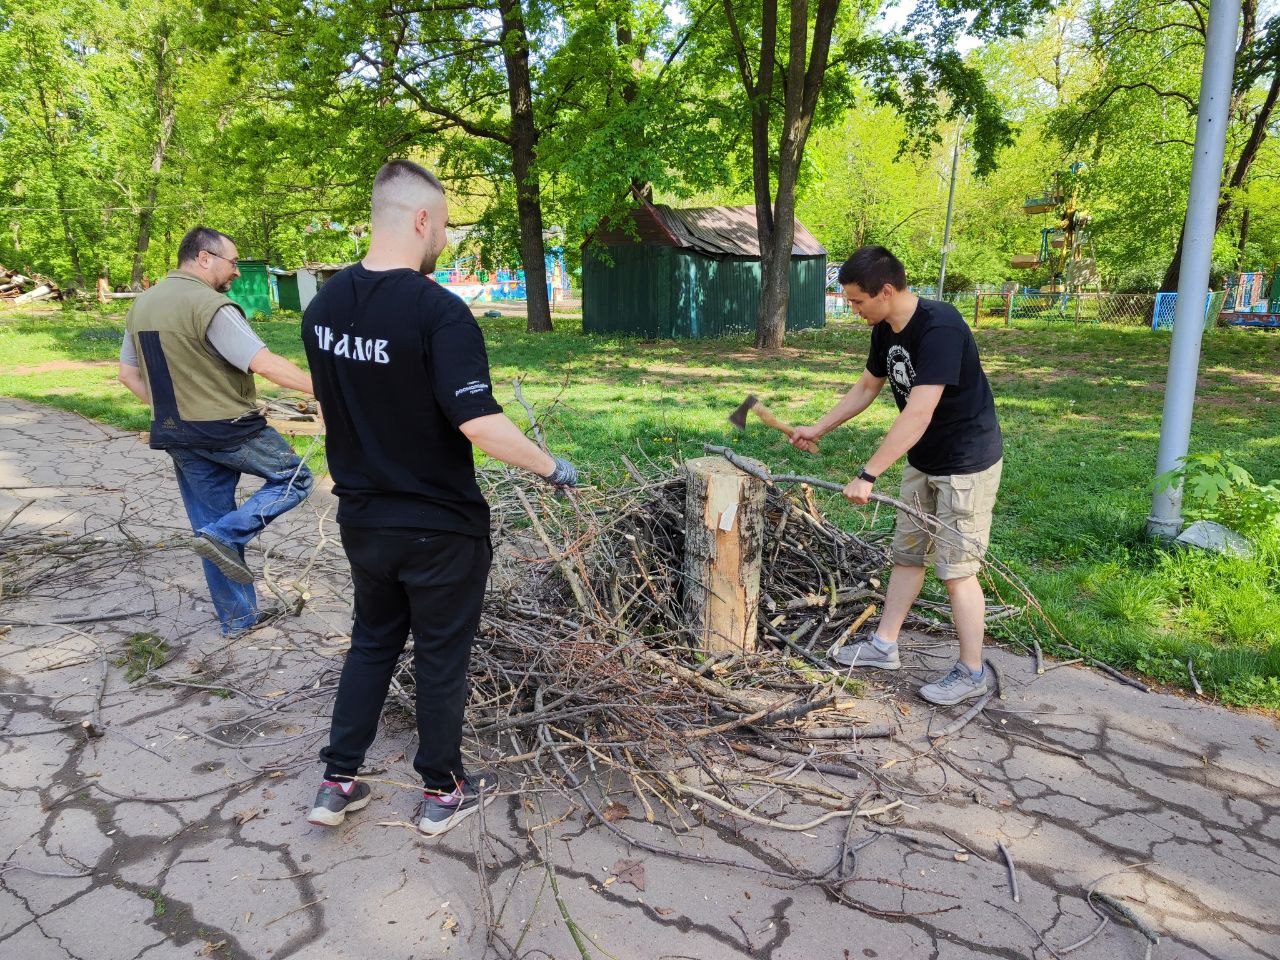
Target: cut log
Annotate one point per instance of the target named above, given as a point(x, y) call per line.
point(41, 292)
point(724, 535)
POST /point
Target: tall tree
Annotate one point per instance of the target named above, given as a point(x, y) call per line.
point(491, 81)
point(797, 65)
point(1149, 54)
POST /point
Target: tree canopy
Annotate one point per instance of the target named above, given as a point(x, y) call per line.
point(124, 122)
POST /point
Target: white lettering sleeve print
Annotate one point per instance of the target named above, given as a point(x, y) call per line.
point(460, 371)
point(365, 349)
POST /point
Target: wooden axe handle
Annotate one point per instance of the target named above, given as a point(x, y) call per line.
point(765, 414)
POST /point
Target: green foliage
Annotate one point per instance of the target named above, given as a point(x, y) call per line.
point(1217, 489)
point(142, 653)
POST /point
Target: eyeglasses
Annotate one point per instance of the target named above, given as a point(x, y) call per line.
point(235, 263)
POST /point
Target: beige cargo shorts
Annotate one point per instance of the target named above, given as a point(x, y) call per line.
point(963, 502)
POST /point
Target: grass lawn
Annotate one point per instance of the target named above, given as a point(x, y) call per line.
point(1080, 410)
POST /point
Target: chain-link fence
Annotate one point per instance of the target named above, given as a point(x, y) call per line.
point(1109, 309)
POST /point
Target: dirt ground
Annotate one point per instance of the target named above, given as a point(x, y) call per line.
point(179, 831)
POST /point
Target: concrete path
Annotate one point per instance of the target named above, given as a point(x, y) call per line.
point(158, 840)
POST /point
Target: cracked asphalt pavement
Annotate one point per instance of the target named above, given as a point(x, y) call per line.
point(178, 830)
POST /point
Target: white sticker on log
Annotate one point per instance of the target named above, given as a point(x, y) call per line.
point(727, 518)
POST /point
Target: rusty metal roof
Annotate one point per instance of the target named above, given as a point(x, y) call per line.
point(715, 231)
point(727, 231)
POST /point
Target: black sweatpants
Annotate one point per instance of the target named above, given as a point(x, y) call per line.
point(432, 582)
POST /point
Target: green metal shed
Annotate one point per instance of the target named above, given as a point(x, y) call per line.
point(692, 273)
point(287, 295)
point(252, 289)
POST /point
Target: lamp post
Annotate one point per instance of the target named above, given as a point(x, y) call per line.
point(951, 201)
point(1197, 253)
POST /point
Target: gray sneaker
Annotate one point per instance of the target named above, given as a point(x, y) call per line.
point(865, 654)
point(223, 557)
point(440, 812)
point(956, 687)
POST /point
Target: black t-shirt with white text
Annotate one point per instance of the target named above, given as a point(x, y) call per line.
point(398, 364)
point(936, 347)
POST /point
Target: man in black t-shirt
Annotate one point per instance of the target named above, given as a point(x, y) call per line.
point(948, 430)
point(402, 377)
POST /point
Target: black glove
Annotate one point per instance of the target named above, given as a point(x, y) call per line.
point(564, 475)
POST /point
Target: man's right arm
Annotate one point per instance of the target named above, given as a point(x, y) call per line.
point(131, 377)
point(460, 375)
point(501, 439)
point(130, 373)
point(859, 397)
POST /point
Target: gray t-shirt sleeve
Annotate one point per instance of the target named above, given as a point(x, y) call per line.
point(128, 352)
point(232, 338)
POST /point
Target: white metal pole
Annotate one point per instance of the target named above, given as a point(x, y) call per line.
point(1197, 252)
point(951, 200)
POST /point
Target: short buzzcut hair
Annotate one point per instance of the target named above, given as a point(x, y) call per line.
point(398, 183)
point(871, 268)
point(201, 238)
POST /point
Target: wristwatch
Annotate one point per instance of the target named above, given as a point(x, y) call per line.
point(869, 477)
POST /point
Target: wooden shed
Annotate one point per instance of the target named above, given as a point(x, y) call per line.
point(691, 272)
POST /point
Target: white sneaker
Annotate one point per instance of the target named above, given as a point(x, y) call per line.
point(867, 654)
point(956, 687)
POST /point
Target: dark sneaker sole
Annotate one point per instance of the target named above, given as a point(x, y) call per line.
point(435, 828)
point(232, 569)
point(961, 699)
point(332, 818)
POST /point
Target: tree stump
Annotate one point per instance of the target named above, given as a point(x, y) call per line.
point(724, 536)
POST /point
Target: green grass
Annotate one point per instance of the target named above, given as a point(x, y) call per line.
point(1080, 408)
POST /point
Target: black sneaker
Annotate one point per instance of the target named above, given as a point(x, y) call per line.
point(440, 812)
point(223, 557)
point(335, 800)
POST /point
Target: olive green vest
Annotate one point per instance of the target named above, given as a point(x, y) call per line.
point(190, 383)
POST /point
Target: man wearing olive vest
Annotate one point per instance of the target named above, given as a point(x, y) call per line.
point(190, 355)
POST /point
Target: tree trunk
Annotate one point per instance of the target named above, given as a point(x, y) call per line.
point(724, 537)
point(166, 112)
point(73, 249)
point(1248, 153)
point(1244, 238)
point(524, 145)
point(145, 216)
point(775, 216)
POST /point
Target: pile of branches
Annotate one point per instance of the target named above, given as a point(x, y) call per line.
point(587, 671)
point(23, 289)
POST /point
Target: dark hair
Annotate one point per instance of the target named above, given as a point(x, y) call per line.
point(871, 268)
point(200, 238)
point(394, 169)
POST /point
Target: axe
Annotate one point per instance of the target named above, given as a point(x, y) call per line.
point(739, 417)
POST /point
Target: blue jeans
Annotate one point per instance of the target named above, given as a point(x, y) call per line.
point(208, 478)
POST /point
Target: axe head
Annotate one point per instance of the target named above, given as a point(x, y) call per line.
point(739, 417)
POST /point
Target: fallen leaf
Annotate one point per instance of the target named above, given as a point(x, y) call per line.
point(210, 948)
point(888, 763)
point(268, 794)
point(244, 816)
point(630, 871)
point(616, 811)
point(275, 694)
point(610, 880)
point(451, 925)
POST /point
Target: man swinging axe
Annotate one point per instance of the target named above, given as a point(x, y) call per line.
point(947, 428)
